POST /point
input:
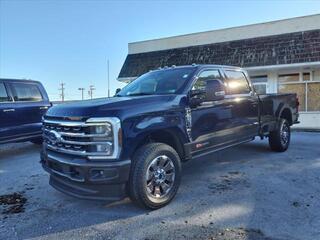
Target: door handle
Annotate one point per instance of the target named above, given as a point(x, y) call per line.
point(9, 110)
point(43, 108)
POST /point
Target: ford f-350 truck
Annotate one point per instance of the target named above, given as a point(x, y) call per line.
point(133, 144)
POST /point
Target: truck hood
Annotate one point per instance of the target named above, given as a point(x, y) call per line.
point(121, 107)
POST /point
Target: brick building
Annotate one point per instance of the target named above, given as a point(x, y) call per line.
point(280, 56)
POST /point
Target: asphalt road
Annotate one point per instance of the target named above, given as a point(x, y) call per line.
point(247, 192)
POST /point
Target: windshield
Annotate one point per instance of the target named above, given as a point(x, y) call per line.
point(169, 81)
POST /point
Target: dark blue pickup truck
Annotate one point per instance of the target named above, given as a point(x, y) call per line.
point(22, 105)
point(133, 144)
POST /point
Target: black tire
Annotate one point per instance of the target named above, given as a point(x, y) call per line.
point(279, 139)
point(147, 157)
point(37, 141)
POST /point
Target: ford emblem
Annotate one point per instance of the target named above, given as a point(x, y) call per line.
point(54, 137)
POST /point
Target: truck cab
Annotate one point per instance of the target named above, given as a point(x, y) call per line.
point(134, 143)
point(22, 105)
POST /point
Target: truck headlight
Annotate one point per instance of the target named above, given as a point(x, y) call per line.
point(107, 145)
point(104, 148)
point(103, 129)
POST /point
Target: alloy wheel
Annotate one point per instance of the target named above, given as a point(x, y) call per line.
point(160, 176)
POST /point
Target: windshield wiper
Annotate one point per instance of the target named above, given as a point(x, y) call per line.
point(140, 94)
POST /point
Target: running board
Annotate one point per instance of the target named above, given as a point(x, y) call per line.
point(221, 148)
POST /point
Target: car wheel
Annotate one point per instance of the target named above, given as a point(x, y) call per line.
point(155, 175)
point(279, 139)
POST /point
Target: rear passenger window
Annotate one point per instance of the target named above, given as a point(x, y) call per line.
point(236, 83)
point(26, 92)
point(3, 94)
point(204, 77)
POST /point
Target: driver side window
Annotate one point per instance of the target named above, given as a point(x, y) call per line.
point(204, 77)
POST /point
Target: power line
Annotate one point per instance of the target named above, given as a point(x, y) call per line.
point(62, 91)
point(82, 90)
point(90, 92)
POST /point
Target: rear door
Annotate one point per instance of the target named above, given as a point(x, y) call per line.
point(31, 104)
point(7, 114)
point(243, 103)
point(211, 121)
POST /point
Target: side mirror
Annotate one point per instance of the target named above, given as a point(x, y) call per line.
point(118, 90)
point(215, 90)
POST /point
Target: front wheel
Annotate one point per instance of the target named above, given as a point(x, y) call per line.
point(155, 175)
point(279, 139)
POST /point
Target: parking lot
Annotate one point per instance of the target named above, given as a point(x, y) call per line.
point(246, 192)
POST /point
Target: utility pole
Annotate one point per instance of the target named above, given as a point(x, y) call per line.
point(82, 90)
point(90, 92)
point(108, 80)
point(62, 91)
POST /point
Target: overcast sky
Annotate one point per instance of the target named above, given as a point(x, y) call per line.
point(70, 41)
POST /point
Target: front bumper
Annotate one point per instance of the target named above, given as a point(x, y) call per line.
point(78, 177)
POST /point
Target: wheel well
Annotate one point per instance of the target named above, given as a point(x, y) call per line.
point(286, 114)
point(167, 137)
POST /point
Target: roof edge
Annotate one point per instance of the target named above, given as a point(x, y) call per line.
point(277, 27)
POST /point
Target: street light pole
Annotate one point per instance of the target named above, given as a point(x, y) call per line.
point(108, 80)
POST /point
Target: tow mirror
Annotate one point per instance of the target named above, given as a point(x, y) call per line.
point(215, 90)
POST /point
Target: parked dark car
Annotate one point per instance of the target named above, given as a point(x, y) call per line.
point(22, 105)
point(133, 144)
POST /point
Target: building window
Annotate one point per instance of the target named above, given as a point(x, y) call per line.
point(307, 90)
point(313, 96)
point(260, 83)
point(287, 78)
point(299, 89)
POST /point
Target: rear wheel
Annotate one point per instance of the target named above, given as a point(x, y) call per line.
point(155, 175)
point(279, 139)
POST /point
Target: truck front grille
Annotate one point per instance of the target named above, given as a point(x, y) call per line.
point(78, 138)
